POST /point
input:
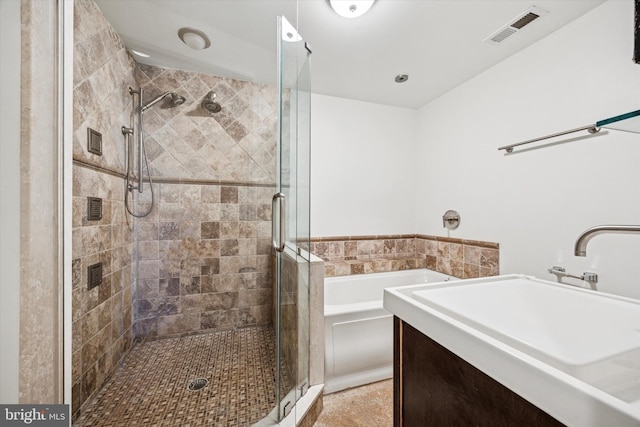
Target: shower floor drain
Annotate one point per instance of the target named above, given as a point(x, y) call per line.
point(198, 384)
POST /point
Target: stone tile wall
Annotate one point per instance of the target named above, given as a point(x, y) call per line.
point(296, 321)
point(238, 144)
point(39, 368)
point(204, 259)
point(103, 71)
point(102, 316)
point(204, 249)
point(374, 254)
point(291, 326)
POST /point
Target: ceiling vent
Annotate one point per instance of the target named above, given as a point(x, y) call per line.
point(516, 24)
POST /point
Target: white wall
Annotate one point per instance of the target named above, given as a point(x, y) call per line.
point(361, 168)
point(535, 204)
point(10, 200)
point(384, 170)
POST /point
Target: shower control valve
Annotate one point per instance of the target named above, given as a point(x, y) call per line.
point(451, 220)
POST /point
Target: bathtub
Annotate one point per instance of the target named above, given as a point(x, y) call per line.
point(358, 331)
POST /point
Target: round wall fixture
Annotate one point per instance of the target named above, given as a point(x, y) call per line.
point(195, 39)
point(401, 78)
point(451, 220)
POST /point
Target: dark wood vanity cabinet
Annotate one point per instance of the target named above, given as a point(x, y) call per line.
point(434, 387)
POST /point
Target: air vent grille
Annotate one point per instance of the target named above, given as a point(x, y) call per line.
point(94, 209)
point(503, 35)
point(527, 19)
point(516, 24)
point(94, 141)
point(94, 275)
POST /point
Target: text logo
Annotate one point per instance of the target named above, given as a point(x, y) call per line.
point(36, 415)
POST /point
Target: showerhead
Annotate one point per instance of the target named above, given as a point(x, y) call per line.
point(209, 104)
point(174, 101)
point(177, 100)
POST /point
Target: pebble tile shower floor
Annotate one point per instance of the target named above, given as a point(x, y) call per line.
point(151, 388)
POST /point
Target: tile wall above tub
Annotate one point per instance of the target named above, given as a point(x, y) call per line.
point(345, 255)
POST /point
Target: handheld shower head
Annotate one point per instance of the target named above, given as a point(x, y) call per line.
point(209, 104)
point(174, 102)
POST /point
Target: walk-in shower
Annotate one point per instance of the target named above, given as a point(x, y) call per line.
point(138, 110)
point(193, 293)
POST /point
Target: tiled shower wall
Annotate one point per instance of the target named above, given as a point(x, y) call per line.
point(236, 145)
point(295, 321)
point(204, 259)
point(375, 254)
point(101, 316)
point(204, 248)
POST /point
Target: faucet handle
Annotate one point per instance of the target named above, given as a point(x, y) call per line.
point(556, 269)
point(451, 220)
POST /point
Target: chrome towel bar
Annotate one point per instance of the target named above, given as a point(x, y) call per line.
point(628, 122)
point(590, 128)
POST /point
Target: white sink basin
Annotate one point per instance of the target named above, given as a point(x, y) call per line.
point(574, 353)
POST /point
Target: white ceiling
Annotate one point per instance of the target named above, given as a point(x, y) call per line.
point(439, 43)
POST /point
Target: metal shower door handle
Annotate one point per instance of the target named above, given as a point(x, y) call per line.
point(278, 246)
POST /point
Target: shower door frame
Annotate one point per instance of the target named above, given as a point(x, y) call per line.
point(57, 283)
point(65, 159)
point(292, 219)
point(65, 135)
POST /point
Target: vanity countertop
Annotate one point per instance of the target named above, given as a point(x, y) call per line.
point(573, 352)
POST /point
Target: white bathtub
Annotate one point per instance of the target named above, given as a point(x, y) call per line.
point(358, 331)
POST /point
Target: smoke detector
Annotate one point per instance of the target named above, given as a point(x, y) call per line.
point(516, 24)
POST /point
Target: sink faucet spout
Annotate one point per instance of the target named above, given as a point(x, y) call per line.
point(581, 244)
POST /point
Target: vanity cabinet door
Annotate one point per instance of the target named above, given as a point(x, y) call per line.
point(434, 387)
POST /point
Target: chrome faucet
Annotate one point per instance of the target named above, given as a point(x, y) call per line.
point(581, 244)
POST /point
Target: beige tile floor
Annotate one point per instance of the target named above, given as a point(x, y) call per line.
point(366, 406)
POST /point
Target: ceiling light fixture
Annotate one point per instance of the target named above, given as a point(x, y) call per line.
point(401, 78)
point(351, 8)
point(195, 39)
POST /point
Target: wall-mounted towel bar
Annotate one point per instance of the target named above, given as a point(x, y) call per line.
point(590, 129)
point(628, 122)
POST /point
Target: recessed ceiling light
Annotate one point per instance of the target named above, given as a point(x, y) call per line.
point(195, 39)
point(140, 54)
point(351, 8)
point(401, 78)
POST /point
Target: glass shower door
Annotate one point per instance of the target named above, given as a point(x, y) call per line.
point(291, 218)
